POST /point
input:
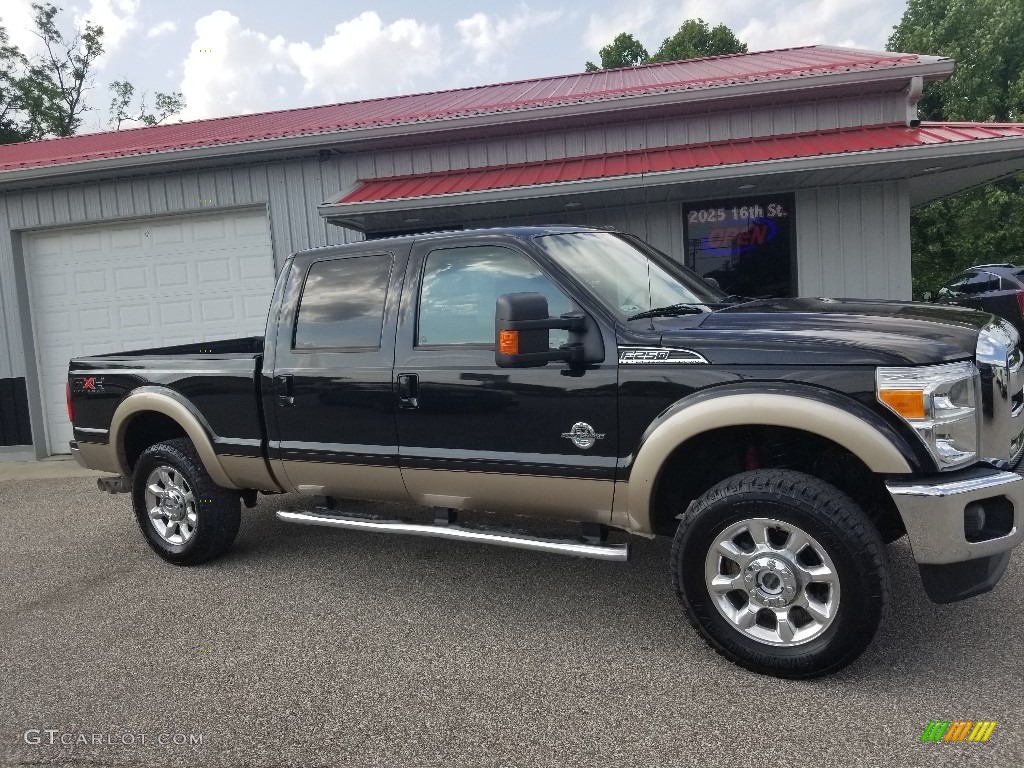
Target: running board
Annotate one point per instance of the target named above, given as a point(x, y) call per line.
point(578, 547)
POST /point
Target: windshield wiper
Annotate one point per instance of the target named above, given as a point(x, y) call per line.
point(671, 311)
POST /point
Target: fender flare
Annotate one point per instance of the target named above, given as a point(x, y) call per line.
point(174, 406)
point(685, 421)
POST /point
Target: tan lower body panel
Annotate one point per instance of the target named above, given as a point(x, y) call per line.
point(248, 472)
point(101, 457)
point(346, 481)
point(567, 498)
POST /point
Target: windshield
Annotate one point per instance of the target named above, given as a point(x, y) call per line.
point(625, 273)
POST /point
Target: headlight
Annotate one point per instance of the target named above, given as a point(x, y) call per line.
point(939, 402)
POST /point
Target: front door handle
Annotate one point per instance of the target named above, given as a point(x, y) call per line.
point(408, 390)
point(285, 390)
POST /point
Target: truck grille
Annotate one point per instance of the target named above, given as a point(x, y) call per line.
point(1000, 363)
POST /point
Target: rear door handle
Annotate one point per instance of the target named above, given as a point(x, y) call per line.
point(285, 390)
point(408, 390)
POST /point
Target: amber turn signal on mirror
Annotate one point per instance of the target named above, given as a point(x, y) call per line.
point(508, 342)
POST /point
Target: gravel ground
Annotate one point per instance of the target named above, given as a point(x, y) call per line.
point(308, 646)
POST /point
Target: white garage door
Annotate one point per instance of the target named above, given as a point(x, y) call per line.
point(157, 282)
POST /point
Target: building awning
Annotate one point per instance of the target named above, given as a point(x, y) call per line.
point(938, 158)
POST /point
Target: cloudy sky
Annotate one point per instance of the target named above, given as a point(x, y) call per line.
point(236, 57)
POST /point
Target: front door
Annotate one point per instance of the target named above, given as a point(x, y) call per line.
point(469, 432)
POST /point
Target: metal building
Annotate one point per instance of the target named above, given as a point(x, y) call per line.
point(786, 172)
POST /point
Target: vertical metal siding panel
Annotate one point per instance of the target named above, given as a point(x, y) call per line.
point(330, 179)
point(851, 232)
point(207, 181)
point(594, 141)
point(15, 211)
point(279, 224)
point(377, 164)
point(45, 203)
point(76, 202)
point(458, 156)
point(761, 122)
point(516, 148)
point(403, 163)
point(108, 200)
point(346, 170)
point(191, 195)
point(897, 238)
point(496, 154)
point(554, 147)
point(225, 186)
point(61, 206)
point(698, 130)
point(241, 185)
point(873, 215)
point(294, 200)
point(826, 116)
point(636, 134)
point(312, 176)
point(141, 190)
point(575, 144)
point(477, 155)
point(741, 125)
point(851, 112)
point(439, 160)
point(420, 160)
point(10, 332)
point(159, 197)
point(783, 120)
point(30, 209)
point(657, 135)
point(718, 127)
point(805, 118)
point(676, 132)
point(893, 108)
point(125, 200)
point(615, 138)
point(810, 251)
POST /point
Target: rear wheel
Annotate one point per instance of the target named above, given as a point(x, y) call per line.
point(185, 517)
point(781, 573)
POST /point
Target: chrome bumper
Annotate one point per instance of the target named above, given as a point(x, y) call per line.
point(933, 512)
point(76, 453)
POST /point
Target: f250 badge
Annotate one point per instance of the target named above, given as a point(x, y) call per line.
point(659, 355)
point(583, 435)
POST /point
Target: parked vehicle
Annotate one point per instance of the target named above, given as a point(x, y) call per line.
point(579, 375)
point(995, 288)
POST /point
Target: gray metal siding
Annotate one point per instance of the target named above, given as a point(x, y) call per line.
point(854, 241)
point(290, 189)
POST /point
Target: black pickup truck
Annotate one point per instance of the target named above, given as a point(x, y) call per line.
point(579, 375)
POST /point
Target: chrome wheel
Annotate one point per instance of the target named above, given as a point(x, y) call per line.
point(171, 505)
point(772, 581)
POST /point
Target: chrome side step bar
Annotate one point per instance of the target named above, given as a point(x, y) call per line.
point(578, 547)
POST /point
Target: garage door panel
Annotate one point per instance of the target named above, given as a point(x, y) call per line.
point(153, 283)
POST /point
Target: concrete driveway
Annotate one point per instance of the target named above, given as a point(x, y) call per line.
point(308, 646)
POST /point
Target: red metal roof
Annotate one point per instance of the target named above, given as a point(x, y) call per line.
point(708, 155)
point(781, 65)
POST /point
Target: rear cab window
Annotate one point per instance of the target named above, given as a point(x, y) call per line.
point(342, 304)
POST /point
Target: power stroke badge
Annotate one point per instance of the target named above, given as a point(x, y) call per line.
point(583, 435)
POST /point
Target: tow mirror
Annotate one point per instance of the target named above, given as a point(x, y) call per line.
point(522, 332)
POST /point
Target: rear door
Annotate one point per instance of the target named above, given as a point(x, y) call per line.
point(476, 436)
point(332, 430)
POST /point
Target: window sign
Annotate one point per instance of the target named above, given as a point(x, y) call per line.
point(746, 245)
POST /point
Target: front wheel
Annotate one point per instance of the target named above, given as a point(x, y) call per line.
point(781, 573)
point(186, 518)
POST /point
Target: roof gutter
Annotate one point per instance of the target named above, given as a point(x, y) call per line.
point(930, 70)
point(930, 152)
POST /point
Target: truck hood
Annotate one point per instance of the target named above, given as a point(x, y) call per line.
point(828, 332)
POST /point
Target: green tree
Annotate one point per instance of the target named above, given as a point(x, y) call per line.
point(695, 38)
point(624, 51)
point(167, 105)
point(45, 94)
point(983, 37)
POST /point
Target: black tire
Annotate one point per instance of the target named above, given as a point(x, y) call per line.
point(217, 511)
point(800, 503)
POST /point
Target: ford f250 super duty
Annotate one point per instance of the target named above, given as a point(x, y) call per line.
point(579, 375)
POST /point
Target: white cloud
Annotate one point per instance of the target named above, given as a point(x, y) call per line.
point(489, 36)
point(163, 28)
point(117, 17)
point(231, 69)
point(636, 19)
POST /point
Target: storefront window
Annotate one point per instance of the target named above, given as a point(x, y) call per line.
point(747, 245)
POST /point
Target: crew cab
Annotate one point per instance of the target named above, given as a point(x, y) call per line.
point(579, 375)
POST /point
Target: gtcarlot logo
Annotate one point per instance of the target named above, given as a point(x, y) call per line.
point(958, 730)
point(54, 737)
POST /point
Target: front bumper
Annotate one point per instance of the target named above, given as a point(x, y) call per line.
point(939, 511)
